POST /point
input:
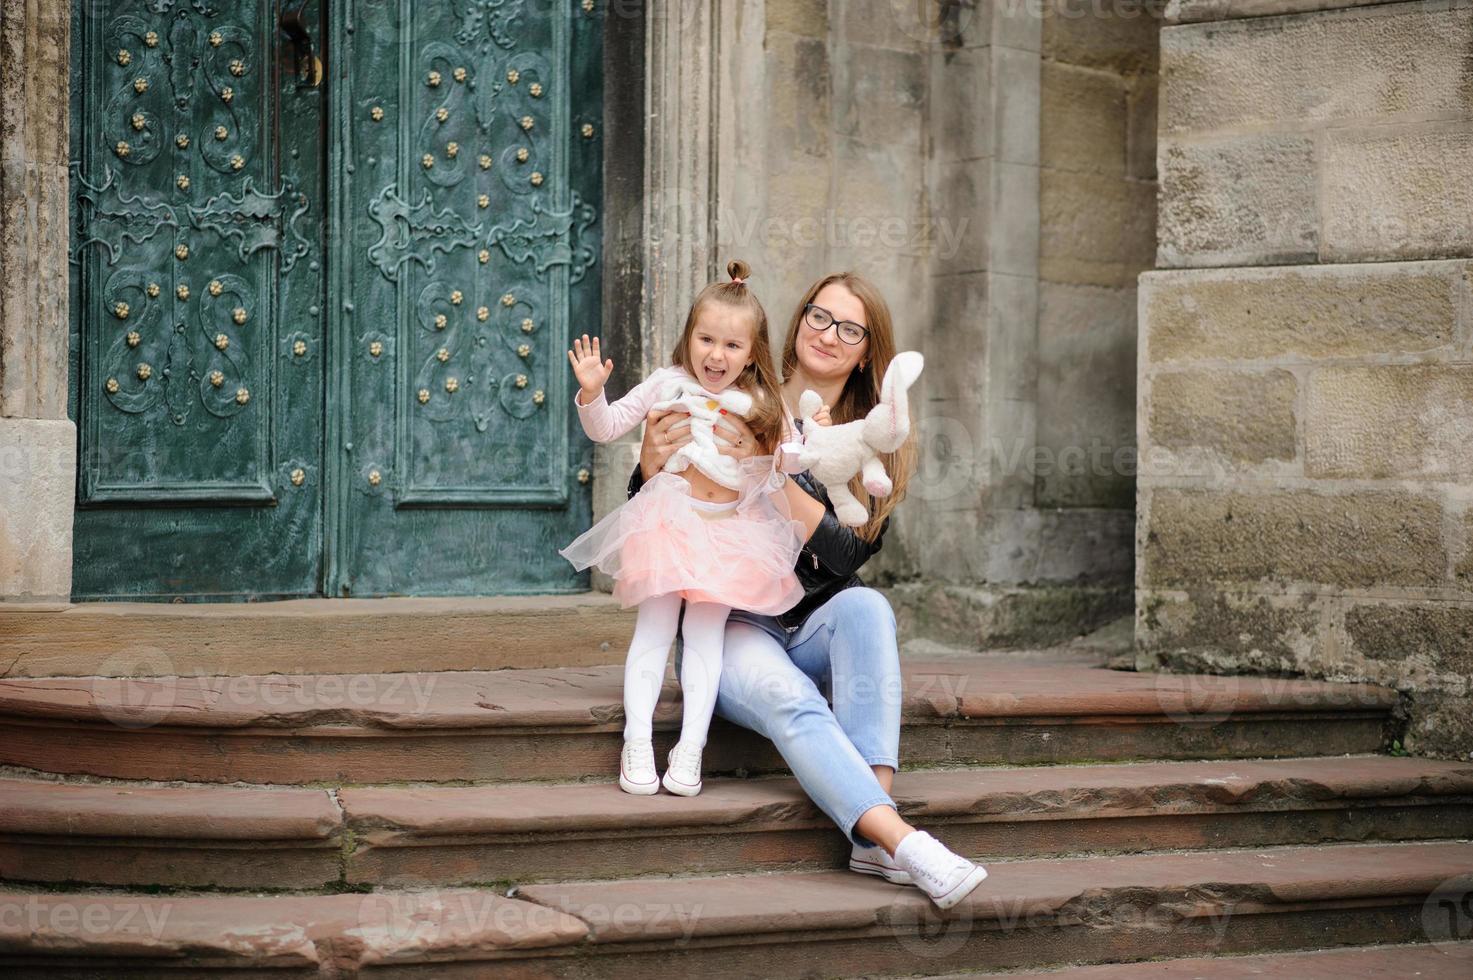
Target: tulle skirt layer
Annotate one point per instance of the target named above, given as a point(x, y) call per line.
point(662, 541)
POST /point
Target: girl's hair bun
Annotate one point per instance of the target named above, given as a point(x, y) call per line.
point(737, 269)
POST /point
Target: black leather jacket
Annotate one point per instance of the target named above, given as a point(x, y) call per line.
point(829, 561)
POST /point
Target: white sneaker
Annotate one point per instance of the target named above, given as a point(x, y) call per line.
point(637, 768)
point(683, 774)
point(939, 872)
point(873, 860)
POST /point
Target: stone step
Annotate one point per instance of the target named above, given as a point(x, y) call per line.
point(1428, 961)
point(256, 837)
point(566, 723)
point(1027, 915)
point(531, 832)
point(311, 636)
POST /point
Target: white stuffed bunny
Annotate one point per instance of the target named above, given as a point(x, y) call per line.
point(834, 453)
point(705, 408)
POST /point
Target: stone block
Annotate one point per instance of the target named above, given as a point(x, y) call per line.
point(960, 104)
point(1246, 200)
point(1440, 724)
point(1244, 417)
point(959, 204)
point(808, 18)
point(1014, 216)
point(997, 616)
point(1086, 396)
point(879, 205)
point(1120, 37)
point(1083, 121)
point(1016, 95)
point(1304, 313)
point(1211, 631)
point(1095, 230)
point(1359, 539)
point(1010, 391)
point(1398, 192)
point(1398, 421)
point(786, 234)
point(1438, 634)
point(38, 472)
point(948, 425)
point(896, 24)
point(1397, 60)
point(879, 96)
point(798, 107)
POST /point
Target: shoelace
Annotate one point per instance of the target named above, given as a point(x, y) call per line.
point(927, 867)
point(685, 758)
point(639, 755)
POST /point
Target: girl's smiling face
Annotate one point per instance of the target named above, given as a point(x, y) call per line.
point(720, 345)
point(823, 356)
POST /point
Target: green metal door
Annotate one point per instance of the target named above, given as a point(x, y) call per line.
point(465, 156)
point(326, 259)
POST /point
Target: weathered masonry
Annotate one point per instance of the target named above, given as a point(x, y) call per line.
point(1306, 364)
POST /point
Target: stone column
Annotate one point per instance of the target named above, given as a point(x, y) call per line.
point(37, 440)
point(677, 254)
point(680, 165)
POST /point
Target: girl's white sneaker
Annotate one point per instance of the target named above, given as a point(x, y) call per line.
point(874, 860)
point(939, 872)
point(683, 774)
point(637, 768)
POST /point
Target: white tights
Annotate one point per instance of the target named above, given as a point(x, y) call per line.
point(700, 665)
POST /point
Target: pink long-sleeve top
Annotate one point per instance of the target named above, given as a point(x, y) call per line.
point(605, 422)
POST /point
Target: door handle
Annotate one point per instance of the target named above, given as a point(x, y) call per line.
point(309, 66)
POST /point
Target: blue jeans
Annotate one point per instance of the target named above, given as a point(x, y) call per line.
point(776, 683)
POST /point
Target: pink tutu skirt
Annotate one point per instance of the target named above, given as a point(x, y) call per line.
point(741, 555)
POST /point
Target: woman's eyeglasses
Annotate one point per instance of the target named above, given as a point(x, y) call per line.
point(821, 319)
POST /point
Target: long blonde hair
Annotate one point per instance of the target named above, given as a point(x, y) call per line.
point(758, 378)
point(861, 389)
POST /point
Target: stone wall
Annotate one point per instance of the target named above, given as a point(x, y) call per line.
point(1306, 404)
point(938, 149)
point(37, 440)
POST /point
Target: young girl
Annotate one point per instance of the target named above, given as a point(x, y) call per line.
point(715, 537)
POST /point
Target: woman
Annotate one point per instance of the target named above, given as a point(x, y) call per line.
point(841, 635)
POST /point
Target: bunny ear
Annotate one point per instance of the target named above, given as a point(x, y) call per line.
point(809, 402)
point(904, 368)
point(888, 424)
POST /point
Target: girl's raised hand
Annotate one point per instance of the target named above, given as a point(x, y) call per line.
point(822, 416)
point(589, 367)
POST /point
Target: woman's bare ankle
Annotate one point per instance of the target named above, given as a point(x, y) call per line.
point(883, 825)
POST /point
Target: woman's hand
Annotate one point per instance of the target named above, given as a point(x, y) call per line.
point(822, 416)
point(739, 441)
point(664, 432)
point(589, 367)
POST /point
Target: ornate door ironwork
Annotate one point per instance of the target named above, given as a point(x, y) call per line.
point(320, 303)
